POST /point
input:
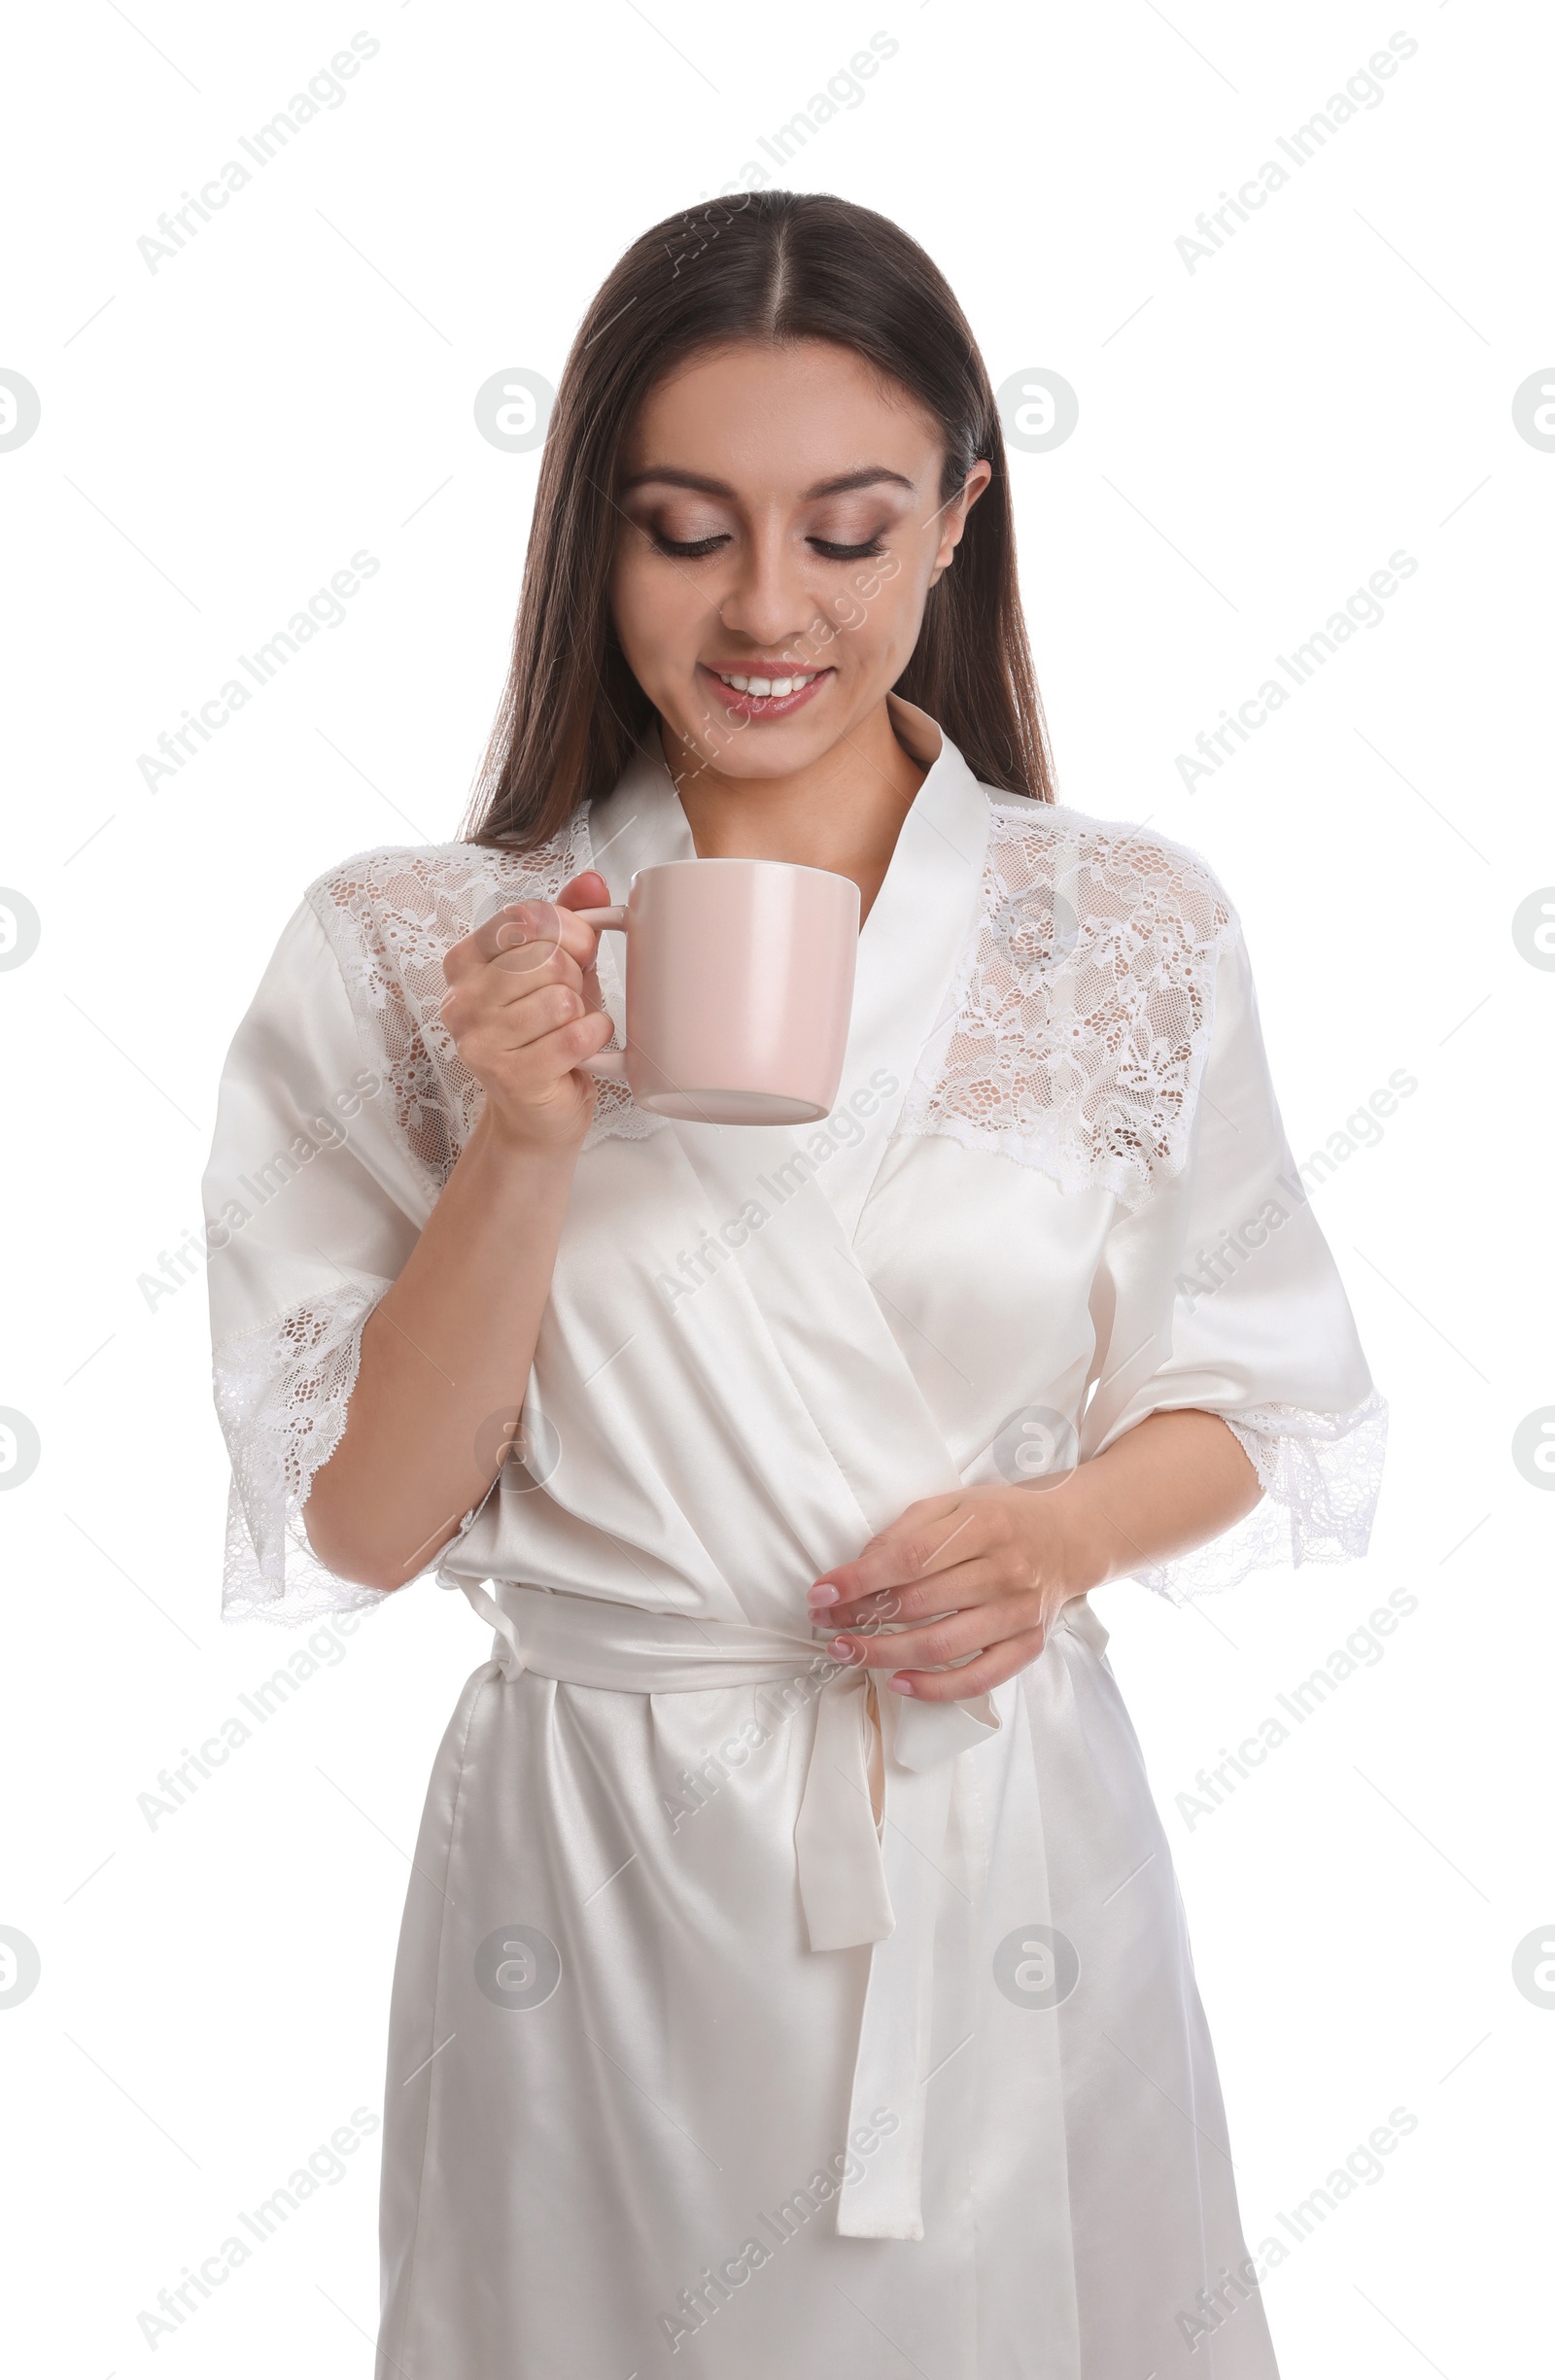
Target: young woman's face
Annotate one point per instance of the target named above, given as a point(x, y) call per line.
point(779, 525)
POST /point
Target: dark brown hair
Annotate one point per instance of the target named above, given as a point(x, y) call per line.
point(778, 265)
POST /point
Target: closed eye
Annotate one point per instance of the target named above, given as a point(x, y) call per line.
point(709, 546)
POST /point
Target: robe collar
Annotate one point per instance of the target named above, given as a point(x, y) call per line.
point(907, 984)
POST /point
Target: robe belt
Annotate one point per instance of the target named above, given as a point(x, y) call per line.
point(858, 1884)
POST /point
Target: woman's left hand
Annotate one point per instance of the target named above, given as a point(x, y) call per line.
point(985, 1571)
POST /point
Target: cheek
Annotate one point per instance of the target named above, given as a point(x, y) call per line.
point(657, 612)
point(896, 608)
point(879, 606)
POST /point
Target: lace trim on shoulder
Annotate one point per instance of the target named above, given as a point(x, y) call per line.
point(391, 916)
point(1320, 1475)
point(1085, 1003)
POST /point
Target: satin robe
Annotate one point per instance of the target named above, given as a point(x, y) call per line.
point(698, 2062)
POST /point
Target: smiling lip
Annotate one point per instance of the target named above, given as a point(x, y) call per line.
point(757, 706)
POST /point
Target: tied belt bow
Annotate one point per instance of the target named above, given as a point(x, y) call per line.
point(858, 1884)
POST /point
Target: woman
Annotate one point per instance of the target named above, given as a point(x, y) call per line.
point(793, 1982)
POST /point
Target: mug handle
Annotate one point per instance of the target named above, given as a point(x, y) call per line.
point(610, 1064)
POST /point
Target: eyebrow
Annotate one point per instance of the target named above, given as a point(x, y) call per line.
point(868, 475)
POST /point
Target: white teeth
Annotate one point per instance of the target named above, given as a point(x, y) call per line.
point(769, 685)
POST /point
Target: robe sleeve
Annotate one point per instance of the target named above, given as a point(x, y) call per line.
point(312, 1204)
point(1219, 1294)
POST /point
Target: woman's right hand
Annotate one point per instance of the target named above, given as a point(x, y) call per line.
point(524, 1009)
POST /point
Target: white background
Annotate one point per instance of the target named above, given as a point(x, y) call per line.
point(1254, 438)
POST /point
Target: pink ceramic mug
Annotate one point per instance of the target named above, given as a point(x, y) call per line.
point(739, 990)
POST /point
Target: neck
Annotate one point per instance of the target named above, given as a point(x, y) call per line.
point(841, 811)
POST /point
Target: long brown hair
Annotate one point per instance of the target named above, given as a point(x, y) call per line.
point(776, 265)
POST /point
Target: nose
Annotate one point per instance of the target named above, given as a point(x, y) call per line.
point(768, 603)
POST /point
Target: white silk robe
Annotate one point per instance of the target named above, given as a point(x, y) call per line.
point(693, 2067)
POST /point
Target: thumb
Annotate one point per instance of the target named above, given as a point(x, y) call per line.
point(587, 891)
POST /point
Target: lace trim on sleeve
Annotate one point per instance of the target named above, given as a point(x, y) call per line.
point(1085, 999)
point(280, 1396)
point(1320, 1475)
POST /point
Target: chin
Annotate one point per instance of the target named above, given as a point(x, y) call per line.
point(740, 764)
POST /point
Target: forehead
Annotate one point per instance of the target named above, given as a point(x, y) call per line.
point(765, 416)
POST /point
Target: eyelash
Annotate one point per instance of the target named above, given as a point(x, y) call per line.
point(707, 545)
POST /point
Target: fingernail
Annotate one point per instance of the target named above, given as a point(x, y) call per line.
point(901, 1683)
point(821, 1596)
point(842, 1648)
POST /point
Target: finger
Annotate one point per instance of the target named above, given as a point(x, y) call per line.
point(977, 1580)
point(532, 926)
point(978, 1677)
point(928, 1537)
point(496, 1007)
point(582, 1038)
point(530, 931)
point(928, 1511)
point(502, 1034)
point(499, 984)
point(588, 892)
point(544, 1069)
point(943, 1640)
